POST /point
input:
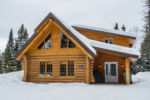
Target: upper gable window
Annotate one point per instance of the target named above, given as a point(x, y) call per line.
point(65, 42)
point(110, 41)
point(46, 44)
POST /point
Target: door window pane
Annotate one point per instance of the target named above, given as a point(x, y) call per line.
point(113, 69)
point(106, 69)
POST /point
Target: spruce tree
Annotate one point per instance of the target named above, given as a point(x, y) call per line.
point(0, 63)
point(22, 37)
point(123, 28)
point(20, 41)
point(116, 27)
point(9, 62)
point(145, 47)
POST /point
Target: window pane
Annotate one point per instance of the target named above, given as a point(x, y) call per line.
point(113, 69)
point(63, 41)
point(42, 68)
point(71, 45)
point(70, 68)
point(110, 41)
point(63, 70)
point(49, 69)
point(41, 46)
point(106, 40)
point(106, 69)
point(48, 42)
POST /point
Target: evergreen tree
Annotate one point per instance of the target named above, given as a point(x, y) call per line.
point(0, 63)
point(116, 27)
point(22, 37)
point(9, 62)
point(145, 51)
point(20, 41)
point(123, 28)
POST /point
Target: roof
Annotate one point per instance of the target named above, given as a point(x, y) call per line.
point(128, 52)
point(82, 40)
point(89, 45)
point(106, 31)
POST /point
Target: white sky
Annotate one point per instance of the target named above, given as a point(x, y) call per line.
point(100, 13)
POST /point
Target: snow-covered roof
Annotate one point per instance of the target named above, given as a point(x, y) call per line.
point(81, 37)
point(107, 31)
point(114, 48)
point(87, 44)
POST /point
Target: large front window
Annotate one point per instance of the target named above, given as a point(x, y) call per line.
point(65, 42)
point(46, 44)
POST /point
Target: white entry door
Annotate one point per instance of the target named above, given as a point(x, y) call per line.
point(111, 72)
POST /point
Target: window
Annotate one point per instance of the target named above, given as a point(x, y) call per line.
point(45, 67)
point(70, 68)
point(41, 46)
point(42, 68)
point(71, 45)
point(65, 42)
point(63, 70)
point(46, 44)
point(110, 41)
point(49, 69)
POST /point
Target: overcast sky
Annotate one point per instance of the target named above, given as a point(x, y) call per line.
point(100, 13)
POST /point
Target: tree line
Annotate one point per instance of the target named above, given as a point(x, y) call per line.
point(8, 62)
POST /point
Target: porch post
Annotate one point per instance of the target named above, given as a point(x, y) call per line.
point(24, 65)
point(87, 71)
point(127, 68)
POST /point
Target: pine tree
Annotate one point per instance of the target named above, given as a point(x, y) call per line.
point(116, 27)
point(22, 37)
point(145, 51)
point(0, 63)
point(20, 41)
point(9, 62)
point(123, 28)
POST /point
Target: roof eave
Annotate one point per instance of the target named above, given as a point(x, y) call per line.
point(116, 52)
point(98, 31)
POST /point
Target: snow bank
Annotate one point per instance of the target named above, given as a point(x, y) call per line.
point(13, 88)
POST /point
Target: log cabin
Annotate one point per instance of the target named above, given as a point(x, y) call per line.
point(58, 52)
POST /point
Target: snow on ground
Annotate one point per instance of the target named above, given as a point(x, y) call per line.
point(13, 88)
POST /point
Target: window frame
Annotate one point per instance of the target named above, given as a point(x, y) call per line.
point(51, 69)
point(45, 69)
point(42, 68)
point(61, 73)
point(70, 67)
point(44, 42)
point(67, 40)
point(108, 40)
